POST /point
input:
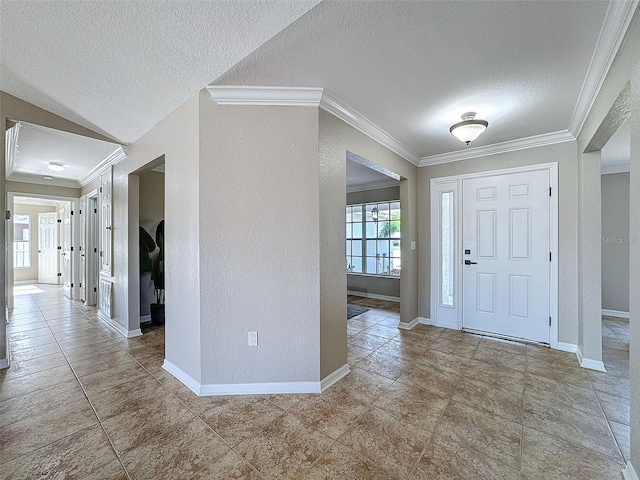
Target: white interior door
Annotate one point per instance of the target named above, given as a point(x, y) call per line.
point(48, 248)
point(506, 255)
point(66, 251)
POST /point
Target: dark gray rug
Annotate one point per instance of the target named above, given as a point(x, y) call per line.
point(354, 310)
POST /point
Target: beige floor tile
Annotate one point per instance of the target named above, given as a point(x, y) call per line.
point(34, 403)
point(453, 347)
point(33, 352)
point(94, 383)
point(392, 443)
point(385, 365)
point(179, 452)
point(52, 424)
point(331, 412)
point(622, 434)
point(487, 353)
point(342, 463)
point(565, 373)
point(552, 356)
point(227, 467)
point(503, 402)
point(444, 460)
point(363, 386)
point(611, 383)
point(31, 334)
point(571, 396)
point(546, 457)
point(91, 351)
point(364, 340)
point(285, 448)
point(85, 455)
point(382, 331)
point(431, 378)
point(589, 430)
point(16, 327)
point(33, 365)
point(616, 409)
point(355, 354)
point(28, 343)
point(413, 405)
point(36, 381)
point(238, 418)
point(402, 349)
point(483, 432)
point(498, 376)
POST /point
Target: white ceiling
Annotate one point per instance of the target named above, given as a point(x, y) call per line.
point(364, 175)
point(37, 146)
point(412, 68)
point(121, 67)
point(616, 154)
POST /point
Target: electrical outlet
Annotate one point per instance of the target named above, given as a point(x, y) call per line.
point(253, 339)
point(413, 245)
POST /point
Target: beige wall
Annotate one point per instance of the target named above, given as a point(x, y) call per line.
point(377, 195)
point(565, 155)
point(13, 108)
point(615, 242)
point(336, 137)
point(25, 274)
point(175, 137)
point(259, 224)
point(49, 190)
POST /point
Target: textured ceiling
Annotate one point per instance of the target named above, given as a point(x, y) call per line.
point(413, 68)
point(616, 154)
point(362, 177)
point(119, 67)
point(37, 146)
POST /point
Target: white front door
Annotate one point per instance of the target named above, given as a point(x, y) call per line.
point(82, 215)
point(48, 248)
point(506, 255)
point(66, 250)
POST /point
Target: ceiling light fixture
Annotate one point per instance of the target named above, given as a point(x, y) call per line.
point(56, 166)
point(47, 177)
point(469, 128)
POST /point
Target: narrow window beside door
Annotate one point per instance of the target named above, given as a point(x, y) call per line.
point(22, 241)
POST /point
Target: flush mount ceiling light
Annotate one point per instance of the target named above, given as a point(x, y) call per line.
point(469, 128)
point(56, 166)
point(47, 177)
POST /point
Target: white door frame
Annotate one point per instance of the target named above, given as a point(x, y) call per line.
point(552, 168)
point(91, 248)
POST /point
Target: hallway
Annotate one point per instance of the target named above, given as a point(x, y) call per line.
point(80, 401)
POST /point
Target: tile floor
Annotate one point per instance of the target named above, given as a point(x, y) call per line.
point(80, 401)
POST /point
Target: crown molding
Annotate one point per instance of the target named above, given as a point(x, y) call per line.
point(503, 147)
point(270, 96)
point(373, 186)
point(615, 169)
point(615, 25)
point(355, 119)
point(112, 159)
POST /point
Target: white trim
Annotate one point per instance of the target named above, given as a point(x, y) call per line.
point(374, 295)
point(246, 388)
point(113, 158)
point(334, 377)
point(615, 313)
point(352, 117)
point(26, 282)
point(612, 34)
point(410, 325)
point(629, 472)
point(615, 169)
point(119, 328)
point(267, 96)
point(425, 321)
point(566, 347)
point(373, 186)
point(495, 148)
point(145, 318)
point(12, 147)
point(4, 363)
point(589, 363)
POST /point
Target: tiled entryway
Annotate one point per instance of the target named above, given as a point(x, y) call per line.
point(80, 401)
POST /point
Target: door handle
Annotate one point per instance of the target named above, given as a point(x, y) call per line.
point(469, 262)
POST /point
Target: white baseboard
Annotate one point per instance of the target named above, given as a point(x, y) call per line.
point(4, 363)
point(374, 296)
point(629, 472)
point(615, 313)
point(145, 318)
point(334, 377)
point(425, 321)
point(119, 328)
point(410, 325)
point(204, 390)
point(26, 282)
point(589, 363)
point(567, 347)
